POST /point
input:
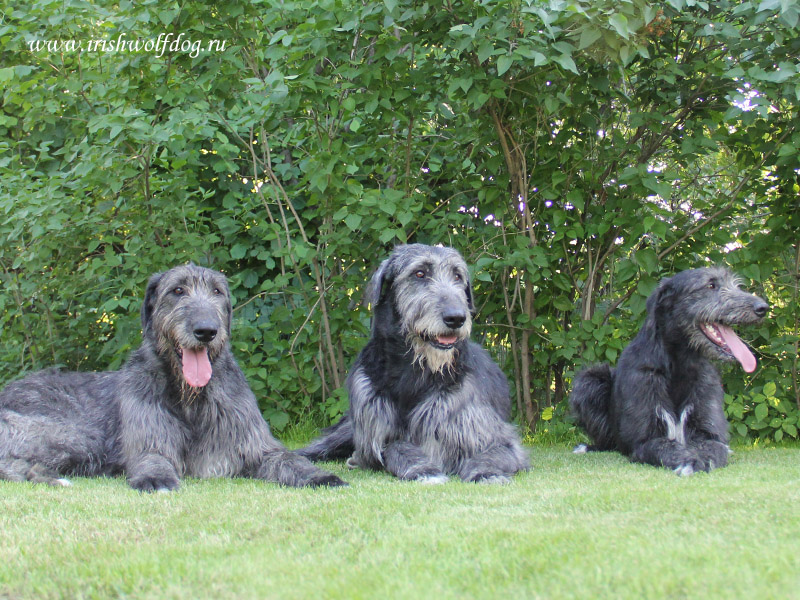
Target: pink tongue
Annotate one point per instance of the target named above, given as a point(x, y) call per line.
point(446, 340)
point(196, 367)
point(737, 347)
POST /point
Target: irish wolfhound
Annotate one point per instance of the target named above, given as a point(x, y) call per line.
point(425, 401)
point(662, 405)
point(180, 405)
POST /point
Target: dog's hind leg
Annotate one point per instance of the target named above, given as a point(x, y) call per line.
point(38, 473)
point(589, 402)
point(18, 469)
point(14, 469)
point(288, 468)
point(336, 442)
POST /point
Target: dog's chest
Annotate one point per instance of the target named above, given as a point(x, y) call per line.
point(698, 381)
point(209, 458)
point(445, 425)
point(208, 452)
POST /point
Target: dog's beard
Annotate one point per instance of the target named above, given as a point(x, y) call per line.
point(429, 357)
point(434, 347)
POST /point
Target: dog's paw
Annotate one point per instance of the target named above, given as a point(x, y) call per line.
point(327, 480)
point(486, 477)
point(38, 473)
point(684, 470)
point(431, 479)
point(146, 483)
point(493, 480)
point(580, 449)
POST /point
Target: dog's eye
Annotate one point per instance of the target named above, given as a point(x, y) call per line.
point(420, 274)
point(178, 291)
point(457, 277)
point(712, 285)
point(217, 291)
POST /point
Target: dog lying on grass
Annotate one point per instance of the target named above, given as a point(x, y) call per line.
point(425, 401)
point(662, 405)
point(179, 406)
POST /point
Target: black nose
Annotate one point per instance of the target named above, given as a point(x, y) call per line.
point(454, 320)
point(205, 333)
point(760, 308)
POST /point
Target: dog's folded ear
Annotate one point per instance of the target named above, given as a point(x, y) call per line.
point(661, 301)
point(149, 304)
point(378, 287)
point(470, 303)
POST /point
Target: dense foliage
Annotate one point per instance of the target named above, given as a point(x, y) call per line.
point(575, 152)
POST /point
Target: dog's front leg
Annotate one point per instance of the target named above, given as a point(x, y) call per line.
point(666, 452)
point(707, 427)
point(152, 472)
point(408, 461)
point(494, 465)
point(713, 453)
point(152, 440)
point(376, 422)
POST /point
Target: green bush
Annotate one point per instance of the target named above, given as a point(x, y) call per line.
point(575, 152)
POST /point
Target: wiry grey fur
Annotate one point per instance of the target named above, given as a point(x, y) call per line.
point(145, 419)
point(662, 405)
point(425, 401)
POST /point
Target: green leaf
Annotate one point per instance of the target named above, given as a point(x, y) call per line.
point(565, 60)
point(484, 51)
point(353, 221)
point(588, 37)
point(238, 251)
point(647, 259)
point(167, 16)
point(349, 104)
point(620, 23)
point(504, 63)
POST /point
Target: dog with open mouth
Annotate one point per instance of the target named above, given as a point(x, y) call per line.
point(663, 403)
point(180, 405)
point(425, 401)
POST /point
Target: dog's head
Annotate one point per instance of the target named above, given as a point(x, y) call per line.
point(428, 291)
point(187, 316)
point(700, 307)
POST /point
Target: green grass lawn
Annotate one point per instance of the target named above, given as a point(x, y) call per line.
point(591, 526)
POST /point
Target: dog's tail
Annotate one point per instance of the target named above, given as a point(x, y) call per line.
point(335, 442)
point(589, 402)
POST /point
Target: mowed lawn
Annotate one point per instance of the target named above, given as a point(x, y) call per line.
point(591, 526)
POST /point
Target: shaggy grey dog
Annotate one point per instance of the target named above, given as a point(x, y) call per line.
point(180, 405)
point(662, 405)
point(425, 401)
